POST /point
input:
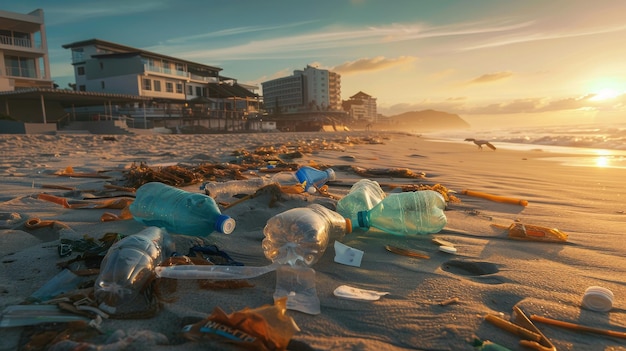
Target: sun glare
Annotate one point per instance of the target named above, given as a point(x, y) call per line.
point(605, 94)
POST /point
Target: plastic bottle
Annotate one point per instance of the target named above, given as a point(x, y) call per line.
point(407, 213)
point(179, 211)
point(300, 235)
point(363, 196)
point(312, 178)
point(306, 177)
point(127, 267)
point(296, 239)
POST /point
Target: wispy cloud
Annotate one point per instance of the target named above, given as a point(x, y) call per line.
point(337, 39)
point(78, 12)
point(491, 77)
point(234, 31)
point(517, 38)
point(373, 64)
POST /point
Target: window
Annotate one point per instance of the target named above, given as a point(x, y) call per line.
point(169, 87)
point(147, 84)
point(198, 91)
point(189, 90)
point(80, 70)
point(102, 84)
point(157, 85)
point(179, 88)
point(82, 88)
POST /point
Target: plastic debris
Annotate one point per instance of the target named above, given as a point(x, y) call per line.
point(264, 328)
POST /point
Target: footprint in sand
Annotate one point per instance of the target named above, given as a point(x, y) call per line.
point(476, 269)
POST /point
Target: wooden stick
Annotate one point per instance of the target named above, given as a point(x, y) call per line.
point(513, 328)
point(577, 327)
point(496, 198)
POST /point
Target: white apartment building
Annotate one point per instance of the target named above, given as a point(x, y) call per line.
point(311, 90)
point(23, 51)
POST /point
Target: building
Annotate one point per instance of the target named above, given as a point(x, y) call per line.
point(361, 107)
point(308, 90)
point(23, 51)
point(182, 91)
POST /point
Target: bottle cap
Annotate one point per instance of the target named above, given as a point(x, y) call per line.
point(225, 224)
point(331, 174)
point(348, 225)
point(597, 298)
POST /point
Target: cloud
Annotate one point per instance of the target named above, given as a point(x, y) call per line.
point(371, 64)
point(491, 77)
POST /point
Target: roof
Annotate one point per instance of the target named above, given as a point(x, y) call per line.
point(226, 90)
point(69, 98)
point(124, 48)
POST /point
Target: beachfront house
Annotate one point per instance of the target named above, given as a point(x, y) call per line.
point(23, 51)
point(184, 95)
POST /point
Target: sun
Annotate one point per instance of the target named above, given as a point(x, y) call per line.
point(605, 94)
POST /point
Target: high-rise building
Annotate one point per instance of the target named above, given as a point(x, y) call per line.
point(23, 51)
point(307, 90)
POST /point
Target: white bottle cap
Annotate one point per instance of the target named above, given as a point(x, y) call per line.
point(331, 174)
point(597, 298)
point(225, 224)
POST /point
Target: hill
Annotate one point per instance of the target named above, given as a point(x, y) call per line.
point(427, 120)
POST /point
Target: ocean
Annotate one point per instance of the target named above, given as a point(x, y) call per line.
point(586, 145)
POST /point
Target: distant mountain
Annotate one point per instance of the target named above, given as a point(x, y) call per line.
point(427, 120)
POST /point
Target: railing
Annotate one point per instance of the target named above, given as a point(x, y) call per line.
point(22, 42)
point(158, 69)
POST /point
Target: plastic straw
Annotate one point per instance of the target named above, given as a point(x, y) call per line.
point(577, 327)
point(496, 198)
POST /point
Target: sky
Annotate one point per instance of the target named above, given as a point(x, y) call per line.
point(489, 61)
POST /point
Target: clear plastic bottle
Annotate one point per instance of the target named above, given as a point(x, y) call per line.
point(127, 267)
point(363, 196)
point(300, 235)
point(408, 213)
point(296, 239)
point(179, 211)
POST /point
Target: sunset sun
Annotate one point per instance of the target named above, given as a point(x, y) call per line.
point(605, 94)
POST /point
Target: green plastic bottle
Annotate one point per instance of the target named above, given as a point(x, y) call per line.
point(408, 213)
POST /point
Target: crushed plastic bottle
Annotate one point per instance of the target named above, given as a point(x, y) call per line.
point(296, 239)
point(128, 267)
point(179, 211)
point(313, 178)
point(407, 213)
point(363, 196)
point(301, 235)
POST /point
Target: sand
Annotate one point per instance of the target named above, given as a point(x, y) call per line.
point(489, 274)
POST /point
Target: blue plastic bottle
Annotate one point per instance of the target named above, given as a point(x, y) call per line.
point(408, 213)
point(179, 211)
point(312, 178)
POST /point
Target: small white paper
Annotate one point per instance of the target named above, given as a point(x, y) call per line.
point(352, 293)
point(347, 255)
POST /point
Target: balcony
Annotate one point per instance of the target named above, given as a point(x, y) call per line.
point(20, 44)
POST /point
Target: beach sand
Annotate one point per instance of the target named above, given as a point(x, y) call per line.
point(489, 274)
